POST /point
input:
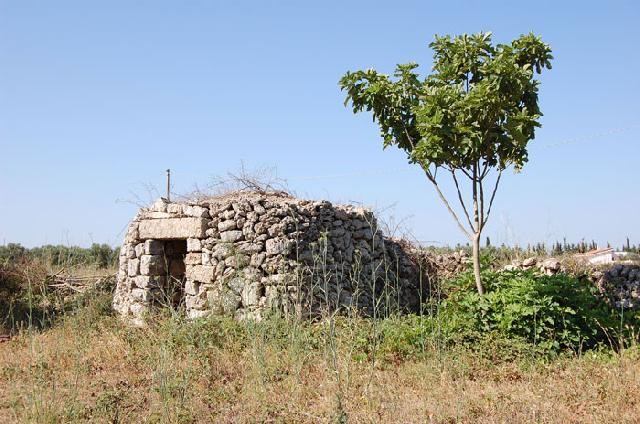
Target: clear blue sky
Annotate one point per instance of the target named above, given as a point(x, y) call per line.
point(98, 98)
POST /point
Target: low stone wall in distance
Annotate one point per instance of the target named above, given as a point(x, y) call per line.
point(620, 284)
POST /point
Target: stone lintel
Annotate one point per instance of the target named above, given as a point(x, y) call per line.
point(172, 228)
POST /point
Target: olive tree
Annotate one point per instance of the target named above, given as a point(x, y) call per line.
point(471, 119)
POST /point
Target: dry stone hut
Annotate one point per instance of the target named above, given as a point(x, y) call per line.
point(244, 253)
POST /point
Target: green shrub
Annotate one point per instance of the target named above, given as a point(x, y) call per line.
point(553, 313)
point(405, 336)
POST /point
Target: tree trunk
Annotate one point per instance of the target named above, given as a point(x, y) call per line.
point(475, 241)
point(477, 229)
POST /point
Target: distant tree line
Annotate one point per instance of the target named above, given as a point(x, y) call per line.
point(542, 248)
point(99, 255)
point(583, 247)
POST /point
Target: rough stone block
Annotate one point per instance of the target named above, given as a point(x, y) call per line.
point(133, 268)
point(196, 211)
point(236, 284)
point(194, 245)
point(227, 225)
point(191, 287)
point(257, 259)
point(193, 258)
point(250, 248)
point(174, 208)
point(278, 247)
point(230, 302)
point(130, 252)
point(203, 274)
point(141, 295)
point(132, 229)
point(160, 205)
point(152, 265)
point(261, 227)
point(172, 228)
point(153, 247)
point(251, 294)
point(148, 282)
point(231, 236)
point(223, 251)
point(156, 215)
point(552, 264)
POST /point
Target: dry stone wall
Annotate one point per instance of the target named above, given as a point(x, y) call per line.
point(547, 266)
point(243, 254)
point(620, 284)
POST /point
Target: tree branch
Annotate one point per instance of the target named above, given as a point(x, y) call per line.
point(493, 195)
point(464, 207)
point(413, 146)
point(485, 170)
point(444, 200)
point(481, 189)
point(476, 218)
point(465, 172)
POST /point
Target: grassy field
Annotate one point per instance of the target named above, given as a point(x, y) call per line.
point(82, 364)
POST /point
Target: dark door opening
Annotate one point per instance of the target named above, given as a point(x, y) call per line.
point(174, 253)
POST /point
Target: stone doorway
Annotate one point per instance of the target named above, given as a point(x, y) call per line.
point(166, 262)
point(174, 254)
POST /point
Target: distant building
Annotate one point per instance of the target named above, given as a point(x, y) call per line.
point(601, 256)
